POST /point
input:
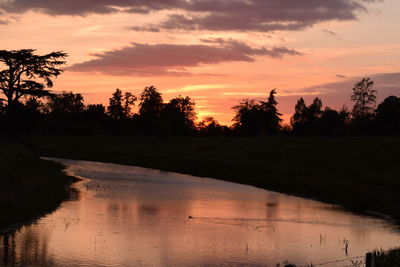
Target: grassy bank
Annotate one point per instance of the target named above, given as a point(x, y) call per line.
point(359, 173)
point(29, 186)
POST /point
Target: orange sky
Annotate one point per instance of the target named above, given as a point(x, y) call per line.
point(217, 52)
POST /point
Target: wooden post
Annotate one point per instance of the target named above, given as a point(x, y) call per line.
point(368, 260)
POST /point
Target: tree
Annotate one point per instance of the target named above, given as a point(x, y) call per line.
point(300, 110)
point(129, 101)
point(258, 117)
point(27, 74)
point(210, 127)
point(364, 98)
point(115, 109)
point(178, 115)
point(331, 123)
point(151, 101)
point(150, 106)
point(271, 116)
point(120, 105)
point(306, 119)
point(388, 116)
point(248, 118)
point(186, 107)
point(66, 103)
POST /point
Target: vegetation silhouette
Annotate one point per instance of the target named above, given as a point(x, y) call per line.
point(260, 117)
point(26, 74)
point(27, 107)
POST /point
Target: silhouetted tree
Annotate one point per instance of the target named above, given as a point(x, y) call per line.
point(257, 117)
point(95, 112)
point(129, 101)
point(364, 98)
point(95, 119)
point(344, 115)
point(151, 104)
point(65, 114)
point(388, 116)
point(210, 127)
point(300, 111)
point(305, 120)
point(27, 74)
point(178, 115)
point(331, 123)
point(34, 104)
point(115, 109)
point(248, 118)
point(66, 103)
point(271, 116)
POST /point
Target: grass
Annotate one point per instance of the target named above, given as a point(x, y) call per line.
point(360, 173)
point(29, 186)
point(390, 258)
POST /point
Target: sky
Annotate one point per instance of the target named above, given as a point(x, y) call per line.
point(215, 51)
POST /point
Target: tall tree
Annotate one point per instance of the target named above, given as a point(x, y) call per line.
point(129, 101)
point(120, 104)
point(150, 106)
point(364, 98)
point(115, 109)
point(249, 117)
point(255, 117)
point(300, 110)
point(178, 115)
point(27, 74)
point(151, 101)
point(271, 115)
point(388, 116)
point(305, 120)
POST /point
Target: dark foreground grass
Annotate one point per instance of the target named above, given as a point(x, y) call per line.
point(29, 186)
point(358, 173)
point(390, 258)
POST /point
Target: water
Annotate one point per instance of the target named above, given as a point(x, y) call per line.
point(130, 216)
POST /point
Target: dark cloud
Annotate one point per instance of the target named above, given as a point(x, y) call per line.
point(386, 84)
point(170, 59)
point(341, 76)
point(217, 15)
point(332, 33)
point(79, 7)
point(337, 94)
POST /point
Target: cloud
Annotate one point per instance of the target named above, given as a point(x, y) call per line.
point(82, 8)
point(329, 32)
point(173, 59)
point(216, 15)
point(337, 94)
point(385, 83)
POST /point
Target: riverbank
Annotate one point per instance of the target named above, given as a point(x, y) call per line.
point(29, 186)
point(360, 173)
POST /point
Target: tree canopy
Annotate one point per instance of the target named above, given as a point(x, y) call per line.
point(26, 73)
point(364, 98)
point(255, 117)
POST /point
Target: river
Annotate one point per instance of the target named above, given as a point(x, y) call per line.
point(131, 216)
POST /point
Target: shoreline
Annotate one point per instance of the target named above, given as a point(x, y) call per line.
point(31, 187)
point(258, 162)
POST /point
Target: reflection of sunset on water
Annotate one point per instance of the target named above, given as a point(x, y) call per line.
point(132, 216)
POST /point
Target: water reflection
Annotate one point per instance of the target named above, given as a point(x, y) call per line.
point(128, 216)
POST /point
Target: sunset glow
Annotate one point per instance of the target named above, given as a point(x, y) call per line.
point(216, 52)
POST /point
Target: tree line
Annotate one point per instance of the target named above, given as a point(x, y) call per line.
point(29, 107)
